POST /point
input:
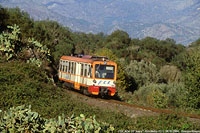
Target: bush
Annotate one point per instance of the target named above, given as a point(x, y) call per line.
point(164, 122)
point(170, 73)
point(192, 77)
point(142, 72)
point(22, 119)
point(162, 95)
point(22, 83)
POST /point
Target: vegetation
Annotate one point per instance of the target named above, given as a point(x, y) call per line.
point(25, 84)
point(192, 76)
point(22, 119)
point(158, 73)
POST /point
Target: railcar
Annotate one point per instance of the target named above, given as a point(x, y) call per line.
point(92, 75)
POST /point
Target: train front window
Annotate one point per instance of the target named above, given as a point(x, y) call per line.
point(104, 71)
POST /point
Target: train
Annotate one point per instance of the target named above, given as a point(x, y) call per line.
point(92, 75)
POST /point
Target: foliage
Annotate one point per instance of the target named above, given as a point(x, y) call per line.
point(88, 43)
point(195, 43)
point(23, 83)
point(12, 46)
point(3, 17)
point(165, 49)
point(142, 72)
point(192, 77)
point(170, 73)
point(60, 40)
point(10, 42)
point(118, 41)
point(22, 119)
point(22, 19)
point(39, 51)
point(164, 122)
point(162, 95)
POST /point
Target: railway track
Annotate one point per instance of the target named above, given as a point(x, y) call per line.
point(131, 110)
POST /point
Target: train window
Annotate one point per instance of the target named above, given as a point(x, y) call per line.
point(69, 67)
point(66, 66)
point(75, 67)
point(63, 66)
point(91, 75)
point(72, 70)
point(85, 73)
point(104, 71)
point(89, 71)
point(81, 69)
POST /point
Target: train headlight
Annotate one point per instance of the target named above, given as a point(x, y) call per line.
point(94, 81)
point(114, 82)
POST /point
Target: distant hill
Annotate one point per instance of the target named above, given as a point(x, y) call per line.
point(177, 19)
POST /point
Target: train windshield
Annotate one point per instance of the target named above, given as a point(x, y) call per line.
point(104, 71)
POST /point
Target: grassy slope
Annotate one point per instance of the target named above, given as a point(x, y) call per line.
point(22, 83)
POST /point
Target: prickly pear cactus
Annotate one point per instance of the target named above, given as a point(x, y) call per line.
point(9, 42)
point(22, 119)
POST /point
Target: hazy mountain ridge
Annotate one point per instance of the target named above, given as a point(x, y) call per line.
point(177, 19)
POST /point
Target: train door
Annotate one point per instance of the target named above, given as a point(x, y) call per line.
point(77, 76)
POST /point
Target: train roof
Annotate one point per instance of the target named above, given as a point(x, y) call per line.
point(86, 58)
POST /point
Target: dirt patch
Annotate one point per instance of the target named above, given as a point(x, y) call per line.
point(108, 105)
point(129, 110)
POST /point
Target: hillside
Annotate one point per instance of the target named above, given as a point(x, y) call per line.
point(177, 19)
point(150, 72)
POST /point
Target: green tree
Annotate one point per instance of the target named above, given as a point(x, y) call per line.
point(118, 41)
point(192, 77)
point(22, 19)
point(142, 72)
point(166, 49)
point(195, 43)
point(3, 17)
point(58, 39)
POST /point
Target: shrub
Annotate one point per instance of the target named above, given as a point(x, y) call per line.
point(165, 122)
point(9, 42)
point(22, 119)
point(22, 83)
point(142, 72)
point(170, 73)
point(162, 95)
point(192, 77)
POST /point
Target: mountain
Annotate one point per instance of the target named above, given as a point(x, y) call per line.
point(177, 19)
